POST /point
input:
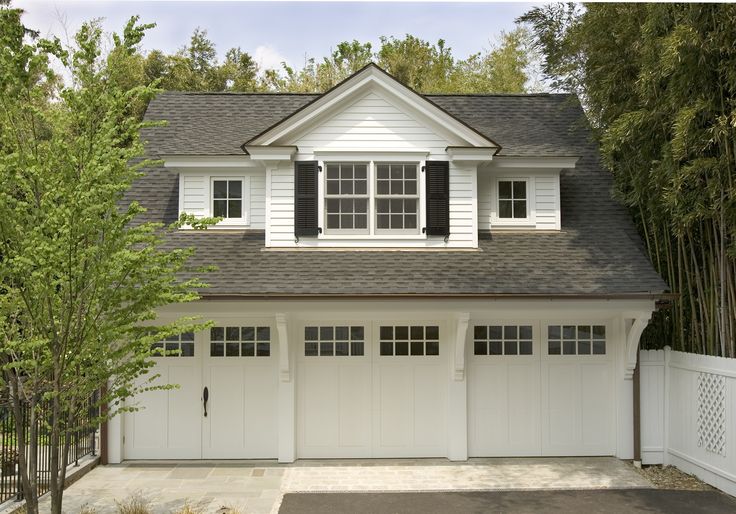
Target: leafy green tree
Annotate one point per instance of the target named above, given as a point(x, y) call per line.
point(502, 69)
point(80, 278)
point(659, 84)
point(239, 71)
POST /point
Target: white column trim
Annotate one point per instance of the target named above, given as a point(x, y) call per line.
point(284, 365)
point(460, 336)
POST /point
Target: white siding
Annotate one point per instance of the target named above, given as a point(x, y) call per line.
point(193, 195)
point(484, 201)
point(546, 201)
point(281, 223)
point(371, 123)
point(194, 192)
point(463, 212)
point(257, 199)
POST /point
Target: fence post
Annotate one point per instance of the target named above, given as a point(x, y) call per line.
point(666, 424)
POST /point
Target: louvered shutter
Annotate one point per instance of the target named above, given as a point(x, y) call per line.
point(438, 198)
point(305, 198)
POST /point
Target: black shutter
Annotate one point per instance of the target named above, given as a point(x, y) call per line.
point(305, 198)
point(438, 198)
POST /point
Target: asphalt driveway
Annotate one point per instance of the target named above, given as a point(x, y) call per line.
point(569, 502)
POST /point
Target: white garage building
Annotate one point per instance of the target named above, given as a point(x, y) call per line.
point(398, 275)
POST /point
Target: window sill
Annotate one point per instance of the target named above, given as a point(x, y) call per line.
point(521, 223)
point(223, 226)
point(368, 237)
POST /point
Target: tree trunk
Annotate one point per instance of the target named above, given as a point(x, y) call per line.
point(27, 462)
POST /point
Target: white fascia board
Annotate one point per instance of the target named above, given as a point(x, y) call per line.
point(557, 163)
point(208, 161)
point(363, 154)
point(470, 154)
point(271, 153)
point(353, 88)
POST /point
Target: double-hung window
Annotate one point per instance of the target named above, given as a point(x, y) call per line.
point(371, 198)
point(512, 199)
point(397, 198)
point(346, 198)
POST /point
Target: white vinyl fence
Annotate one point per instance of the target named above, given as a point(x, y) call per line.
point(688, 414)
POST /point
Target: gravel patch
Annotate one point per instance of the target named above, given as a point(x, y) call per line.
point(669, 477)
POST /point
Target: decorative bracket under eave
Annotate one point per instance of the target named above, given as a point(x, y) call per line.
point(281, 327)
point(460, 337)
point(632, 343)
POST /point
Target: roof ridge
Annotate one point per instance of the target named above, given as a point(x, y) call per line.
point(236, 93)
point(276, 93)
point(522, 95)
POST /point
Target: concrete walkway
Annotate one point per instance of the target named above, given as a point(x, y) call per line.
point(258, 486)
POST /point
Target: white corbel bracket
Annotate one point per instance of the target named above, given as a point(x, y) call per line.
point(281, 328)
point(460, 337)
point(632, 343)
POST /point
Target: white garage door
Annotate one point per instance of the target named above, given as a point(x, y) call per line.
point(371, 390)
point(235, 366)
point(540, 390)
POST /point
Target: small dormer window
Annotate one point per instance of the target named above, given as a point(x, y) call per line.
point(512, 199)
point(227, 199)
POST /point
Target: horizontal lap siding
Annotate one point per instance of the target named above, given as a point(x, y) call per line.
point(258, 200)
point(372, 123)
point(462, 210)
point(194, 197)
point(546, 201)
point(282, 206)
point(484, 201)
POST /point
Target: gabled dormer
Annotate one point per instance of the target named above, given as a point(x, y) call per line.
point(377, 165)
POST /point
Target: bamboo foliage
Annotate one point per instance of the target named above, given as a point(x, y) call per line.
point(659, 84)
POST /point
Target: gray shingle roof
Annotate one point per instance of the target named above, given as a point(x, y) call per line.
point(597, 252)
point(219, 123)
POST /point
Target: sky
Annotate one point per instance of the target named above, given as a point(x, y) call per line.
point(273, 32)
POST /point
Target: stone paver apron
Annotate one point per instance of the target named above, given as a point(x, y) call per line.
point(258, 486)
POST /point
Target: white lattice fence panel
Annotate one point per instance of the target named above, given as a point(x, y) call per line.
point(712, 413)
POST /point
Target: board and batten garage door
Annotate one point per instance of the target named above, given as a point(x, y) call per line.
point(371, 390)
point(540, 389)
point(235, 362)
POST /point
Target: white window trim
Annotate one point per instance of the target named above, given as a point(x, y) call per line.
point(244, 220)
point(530, 220)
point(373, 233)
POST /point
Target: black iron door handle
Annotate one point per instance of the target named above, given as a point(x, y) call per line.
point(205, 397)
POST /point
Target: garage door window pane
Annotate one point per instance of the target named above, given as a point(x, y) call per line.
point(240, 341)
point(181, 345)
point(576, 340)
point(334, 341)
point(415, 340)
point(503, 339)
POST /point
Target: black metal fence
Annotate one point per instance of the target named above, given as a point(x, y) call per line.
point(83, 443)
